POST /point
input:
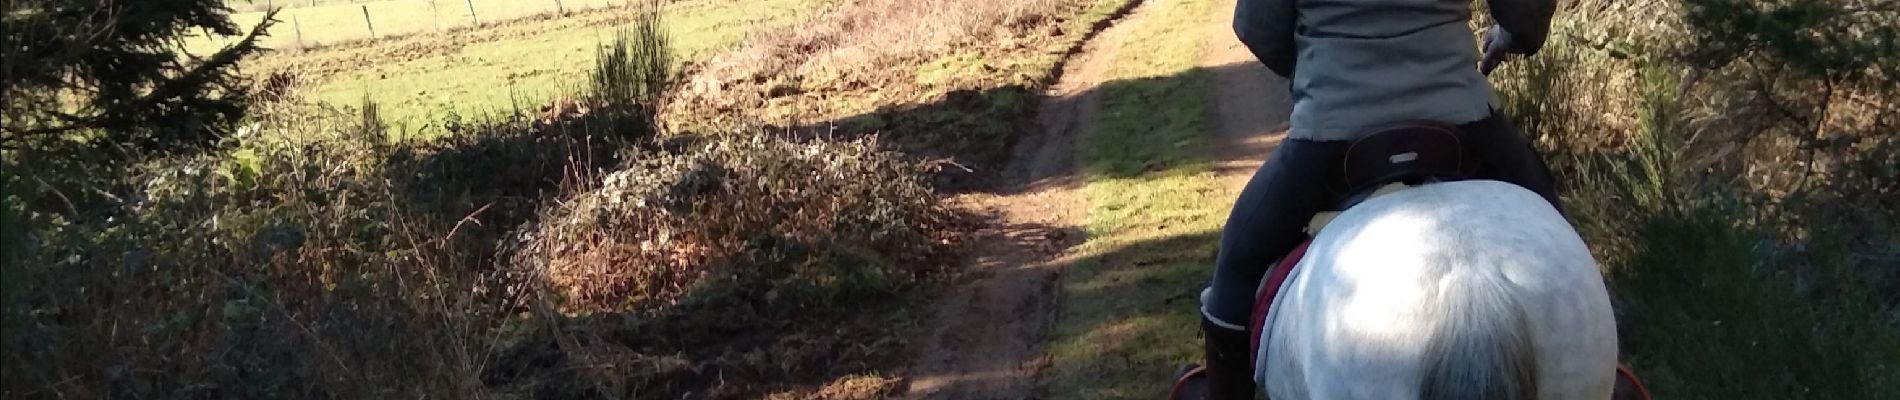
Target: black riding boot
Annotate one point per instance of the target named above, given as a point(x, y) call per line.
point(1229, 363)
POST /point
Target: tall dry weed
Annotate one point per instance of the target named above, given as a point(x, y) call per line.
point(256, 273)
point(1735, 204)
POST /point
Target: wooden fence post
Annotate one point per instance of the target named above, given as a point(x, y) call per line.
point(299, 25)
point(435, 20)
point(372, 26)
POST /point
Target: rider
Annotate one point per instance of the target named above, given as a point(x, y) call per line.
point(1356, 65)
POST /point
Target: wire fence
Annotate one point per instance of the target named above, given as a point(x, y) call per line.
point(317, 23)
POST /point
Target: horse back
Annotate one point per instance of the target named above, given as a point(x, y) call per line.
point(1468, 289)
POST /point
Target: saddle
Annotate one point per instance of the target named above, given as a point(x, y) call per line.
point(1395, 158)
point(1411, 154)
point(1388, 160)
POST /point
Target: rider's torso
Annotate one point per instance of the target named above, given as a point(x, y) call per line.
point(1368, 63)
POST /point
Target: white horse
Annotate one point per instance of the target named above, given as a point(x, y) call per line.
point(1458, 290)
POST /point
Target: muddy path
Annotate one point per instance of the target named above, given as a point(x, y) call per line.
point(985, 338)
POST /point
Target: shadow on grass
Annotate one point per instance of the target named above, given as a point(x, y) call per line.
point(967, 132)
point(1132, 305)
point(1129, 318)
point(981, 131)
point(1152, 168)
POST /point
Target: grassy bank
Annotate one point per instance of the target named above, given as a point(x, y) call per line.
point(579, 256)
point(1127, 316)
point(314, 257)
point(953, 83)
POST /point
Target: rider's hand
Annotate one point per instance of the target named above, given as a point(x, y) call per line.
point(1497, 43)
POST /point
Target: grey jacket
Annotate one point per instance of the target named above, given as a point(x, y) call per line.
point(1356, 65)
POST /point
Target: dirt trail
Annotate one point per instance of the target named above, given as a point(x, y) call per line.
point(986, 337)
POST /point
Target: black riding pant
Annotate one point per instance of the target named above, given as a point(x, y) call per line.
point(1269, 218)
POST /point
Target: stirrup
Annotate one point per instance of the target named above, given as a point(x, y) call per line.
point(1190, 383)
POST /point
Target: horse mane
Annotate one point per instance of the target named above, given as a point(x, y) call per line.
point(1481, 348)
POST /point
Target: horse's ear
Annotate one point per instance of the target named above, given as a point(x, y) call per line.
point(1627, 386)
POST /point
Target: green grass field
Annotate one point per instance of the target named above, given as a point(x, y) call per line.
point(261, 5)
point(499, 69)
point(1156, 206)
point(334, 21)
